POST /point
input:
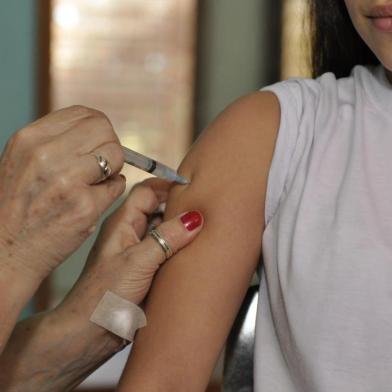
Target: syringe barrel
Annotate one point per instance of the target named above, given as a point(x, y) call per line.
point(151, 166)
point(138, 160)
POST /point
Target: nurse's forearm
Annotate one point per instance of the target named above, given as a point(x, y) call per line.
point(54, 352)
point(16, 289)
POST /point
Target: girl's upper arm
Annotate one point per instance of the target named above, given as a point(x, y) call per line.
point(197, 293)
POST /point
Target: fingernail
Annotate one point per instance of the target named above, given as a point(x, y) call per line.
point(192, 220)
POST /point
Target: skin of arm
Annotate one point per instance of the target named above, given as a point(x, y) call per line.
point(54, 352)
point(50, 201)
point(196, 295)
point(15, 290)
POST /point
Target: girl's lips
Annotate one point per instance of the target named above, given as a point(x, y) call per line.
point(381, 17)
point(381, 11)
point(384, 23)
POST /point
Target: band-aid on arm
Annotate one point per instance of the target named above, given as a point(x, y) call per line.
point(119, 316)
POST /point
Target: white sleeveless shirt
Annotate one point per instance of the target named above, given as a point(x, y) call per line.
point(324, 321)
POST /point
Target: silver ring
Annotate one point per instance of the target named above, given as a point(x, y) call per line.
point(104, 165)
point(162, 242)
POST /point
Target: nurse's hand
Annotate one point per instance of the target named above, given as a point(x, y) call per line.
point(49, 197)
point(124, 259)
point(63, 345)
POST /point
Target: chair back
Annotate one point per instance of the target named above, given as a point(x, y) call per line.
point(238, 363)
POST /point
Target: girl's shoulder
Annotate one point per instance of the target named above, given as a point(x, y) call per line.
point(307, 108)
point(327, 91)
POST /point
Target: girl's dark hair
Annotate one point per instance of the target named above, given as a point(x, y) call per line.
point(336, 45)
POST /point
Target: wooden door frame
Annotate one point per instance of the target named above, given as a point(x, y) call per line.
point(43, 12)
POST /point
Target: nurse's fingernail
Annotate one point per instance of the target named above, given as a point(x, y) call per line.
point(192, 220)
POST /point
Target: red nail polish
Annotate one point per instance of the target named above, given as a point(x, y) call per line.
point(192, 220)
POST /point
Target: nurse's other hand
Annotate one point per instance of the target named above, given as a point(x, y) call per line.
point(124, 259)
point(49, 197)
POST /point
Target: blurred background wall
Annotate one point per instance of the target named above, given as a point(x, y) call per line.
point(167, 64)
point(238, 52)
point(18, 70)
point(232, 48)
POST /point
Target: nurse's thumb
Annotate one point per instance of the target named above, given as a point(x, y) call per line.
point(168, 238)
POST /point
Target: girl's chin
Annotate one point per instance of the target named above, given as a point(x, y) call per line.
point(385, 58)
point(388, 71)
point(389, 75)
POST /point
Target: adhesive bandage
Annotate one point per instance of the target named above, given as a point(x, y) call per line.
point(119, 316)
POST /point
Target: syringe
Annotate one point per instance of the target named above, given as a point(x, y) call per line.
point(151, 166)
